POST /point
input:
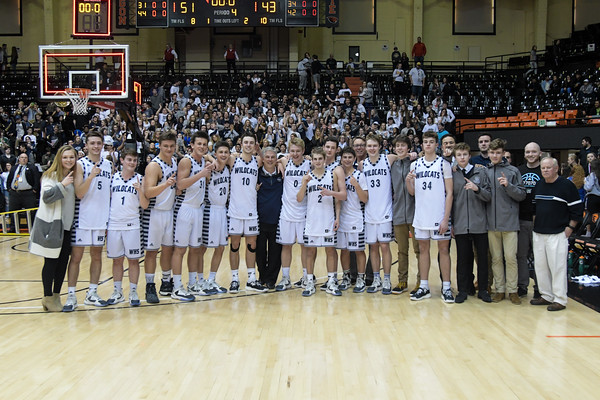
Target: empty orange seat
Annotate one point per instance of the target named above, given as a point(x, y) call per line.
point(559, 114)
point(480, 126)
point(501, 119)
point(523, 115)
point(531, 123)
point(513, 118)
point(491, 126)
point(513, 124)
point(570, 114)
point(490, 119)
point(503, 125)
point(594, 121)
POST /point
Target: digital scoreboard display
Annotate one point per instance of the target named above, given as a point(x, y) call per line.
point(224, 13)
point(91, 18)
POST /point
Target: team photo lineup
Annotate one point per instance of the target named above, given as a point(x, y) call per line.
point(210, 188)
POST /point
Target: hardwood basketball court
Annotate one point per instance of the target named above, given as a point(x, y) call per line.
point(281, 345)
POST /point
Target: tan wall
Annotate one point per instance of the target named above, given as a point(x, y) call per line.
point(515, 32)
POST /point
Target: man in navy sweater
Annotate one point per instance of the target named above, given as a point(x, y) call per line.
point(270, 190)
point(558, 208)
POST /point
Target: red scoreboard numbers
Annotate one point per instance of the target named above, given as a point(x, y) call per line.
point(92, 18)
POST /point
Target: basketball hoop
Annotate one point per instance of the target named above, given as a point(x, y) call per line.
point(79, 98)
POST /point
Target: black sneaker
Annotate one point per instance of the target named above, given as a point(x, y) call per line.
point(301, 283)
point(151, 296)
point(323, 287)
point(234, 287)
point(420, 294)
point(166, 287)
point(461, 297)
point(522, 292)
point(485, 296)
point(255, 286)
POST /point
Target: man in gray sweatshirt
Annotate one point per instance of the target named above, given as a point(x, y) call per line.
point(506, 190)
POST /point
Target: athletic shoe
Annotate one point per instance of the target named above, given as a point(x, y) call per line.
point(376, 286)
point(387, 286)
point(71, 303)
point(323, 287)
point(197, 289)
point(116, 297)
point(415, 289)
point(151, 296)
point(399, 288)
point(346, 282)
point(284, 284)
point(213, 287)
point(360, 285)
point(166, 287)
point(461, 297)
point(332, 288)
point(234, 287)
point(92, 299)
point(420, 294)
point(256, 287)
point(447, 296)
point(182, 294)
point(134, 300)
point(309, 290)
point(301, 283)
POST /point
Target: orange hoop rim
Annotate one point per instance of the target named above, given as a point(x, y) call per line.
point(83, 93)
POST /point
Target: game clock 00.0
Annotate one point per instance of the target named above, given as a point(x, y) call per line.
point(91, 18)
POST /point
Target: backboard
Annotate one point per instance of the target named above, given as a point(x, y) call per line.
point(102, 68)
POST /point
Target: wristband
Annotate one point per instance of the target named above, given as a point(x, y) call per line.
point(572, 227)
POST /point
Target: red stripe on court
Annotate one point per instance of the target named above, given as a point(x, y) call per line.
point(572, 336)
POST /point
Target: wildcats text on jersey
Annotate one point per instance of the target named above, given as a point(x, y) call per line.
point(246, 170)
point(375, 171)
point(123, 189)
point(429, 174)
point(318, 188)
point(294, 172)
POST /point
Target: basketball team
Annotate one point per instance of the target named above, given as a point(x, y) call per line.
point(209, 200)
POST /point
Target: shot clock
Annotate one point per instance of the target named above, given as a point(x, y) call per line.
point(91, 18)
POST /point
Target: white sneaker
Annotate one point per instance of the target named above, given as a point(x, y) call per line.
point(376, 286)
point(116, 297)
point(309, 290)
point(134, 300)
point(182, 294)
point(71, 303)
point(284, 284)
point(92, 299)
point(197, 289)
point(332, 288)
point(212, 287)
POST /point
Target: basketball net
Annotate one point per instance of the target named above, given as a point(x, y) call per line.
point(79, 98)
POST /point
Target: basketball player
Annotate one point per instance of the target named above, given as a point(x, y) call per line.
point(351, 233)
point(123, 239)
point(332, 164)
point(378, 212)
point(159, 187)
point(92, 188)
point(293, 213)
point(214, 227)
point(242, 212)
point(430, 181)
point(192, 172)
point(320, 187)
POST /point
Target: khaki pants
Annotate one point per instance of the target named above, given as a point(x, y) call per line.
point(503, 245)
point(550, 253)
point(402, 238)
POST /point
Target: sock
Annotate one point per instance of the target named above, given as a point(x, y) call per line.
point(177, 281)
point(200, 277)
point(347, 272)
point(193, 277)
point(71, 289)
point(309, 277)
point(132, 287)
point(251, 274)
point(362, 276)
point(304, 272)
point(331, 276)
point(424, 284)
point(376, 276)
point(149, 278)
point(445, 285)
point(234, 275)
point(286, 272)
point(166, 276)
point(212, 276)
point(119, 286)
point(93, 286)
point(387, 277)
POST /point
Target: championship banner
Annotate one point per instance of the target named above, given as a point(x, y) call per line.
point(332, 13)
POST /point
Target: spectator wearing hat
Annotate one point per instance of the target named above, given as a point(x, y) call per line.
point(586, 91)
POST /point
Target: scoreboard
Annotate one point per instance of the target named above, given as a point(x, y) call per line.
point(91, 18)
point(224, 13)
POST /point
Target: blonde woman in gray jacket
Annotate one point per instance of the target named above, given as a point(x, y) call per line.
point(51, 234)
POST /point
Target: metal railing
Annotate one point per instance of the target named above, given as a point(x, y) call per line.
point(15, 216)
point(503, 61)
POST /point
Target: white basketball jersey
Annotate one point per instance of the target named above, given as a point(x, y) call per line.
point(218, 188)
point(352, 210)
point(430, 192)
point(242, 202)
point(332, 165)
point(321, 211)
point(291, 210)
point(193, 196)
point(166, 198)
point(379, 179)
point(124, 203)
point(92, 211)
